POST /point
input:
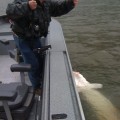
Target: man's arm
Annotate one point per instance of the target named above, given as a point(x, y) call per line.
point(17, 9)
point(58, 7)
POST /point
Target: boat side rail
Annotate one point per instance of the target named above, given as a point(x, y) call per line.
point(60, 98)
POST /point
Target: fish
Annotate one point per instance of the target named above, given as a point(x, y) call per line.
point(82, 83)
point(103, 108)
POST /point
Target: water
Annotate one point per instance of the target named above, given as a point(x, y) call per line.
point(92, 33)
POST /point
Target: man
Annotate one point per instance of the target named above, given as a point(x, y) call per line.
point(29, 22)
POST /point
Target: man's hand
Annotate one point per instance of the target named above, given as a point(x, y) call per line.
point(75, 2)
point(32, 4)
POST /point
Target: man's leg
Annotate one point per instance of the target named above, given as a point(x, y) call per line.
point(30, 58)
point(39, 56)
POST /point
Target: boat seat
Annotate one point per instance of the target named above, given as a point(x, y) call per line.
point(20, 97)
point(5, 42)
point(20, 67)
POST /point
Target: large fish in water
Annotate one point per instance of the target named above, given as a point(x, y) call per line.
point(103, 107)
point(82, 83)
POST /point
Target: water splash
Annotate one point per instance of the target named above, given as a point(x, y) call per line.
point(102, 106)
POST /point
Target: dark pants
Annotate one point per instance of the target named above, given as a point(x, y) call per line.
point(26, 48)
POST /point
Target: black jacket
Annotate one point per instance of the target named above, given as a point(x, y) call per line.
point(24, 19)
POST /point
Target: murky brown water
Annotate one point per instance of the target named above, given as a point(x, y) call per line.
point(92, 33)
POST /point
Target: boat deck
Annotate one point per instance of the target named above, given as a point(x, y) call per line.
point(3, 5)
point(6, 76)
point(59, 96)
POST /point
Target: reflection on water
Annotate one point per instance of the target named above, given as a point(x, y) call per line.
point(92, 33)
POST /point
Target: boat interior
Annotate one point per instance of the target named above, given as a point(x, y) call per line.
point(59, 99)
